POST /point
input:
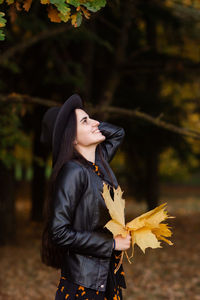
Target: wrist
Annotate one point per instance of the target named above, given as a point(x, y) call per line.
point(113, 244)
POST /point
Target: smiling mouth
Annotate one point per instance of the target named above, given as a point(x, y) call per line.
point(96, 131)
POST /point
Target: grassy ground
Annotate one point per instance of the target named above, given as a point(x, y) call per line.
point(172, 272)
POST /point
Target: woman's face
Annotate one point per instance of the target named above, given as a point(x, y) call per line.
point(87, 129)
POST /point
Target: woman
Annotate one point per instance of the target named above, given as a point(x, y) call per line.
point(74, 237)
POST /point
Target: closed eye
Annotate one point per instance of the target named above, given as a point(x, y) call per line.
point(83, 119)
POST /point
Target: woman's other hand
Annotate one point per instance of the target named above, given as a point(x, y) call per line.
point(122, 243)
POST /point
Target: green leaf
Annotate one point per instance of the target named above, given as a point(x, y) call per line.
point(2, 35)
point(2, 20)
point(75, 3)
point(64, 7)
point(61, 5)
point(2, 24)
point(94, 5)
point(79, 19)
point(10, 2)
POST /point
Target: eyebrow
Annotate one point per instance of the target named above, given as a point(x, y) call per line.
point(83, 119)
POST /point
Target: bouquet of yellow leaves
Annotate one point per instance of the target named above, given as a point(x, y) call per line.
point(146, 230)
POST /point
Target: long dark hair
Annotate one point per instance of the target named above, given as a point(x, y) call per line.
point(51, 254)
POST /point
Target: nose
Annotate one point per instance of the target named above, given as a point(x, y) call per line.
point(96, 123)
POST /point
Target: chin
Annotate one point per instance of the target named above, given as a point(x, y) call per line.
point(100, 140)
point(103, 138)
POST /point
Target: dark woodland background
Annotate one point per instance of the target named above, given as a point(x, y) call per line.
point(137, 65)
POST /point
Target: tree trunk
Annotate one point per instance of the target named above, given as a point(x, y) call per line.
point(151, 187)
point(7, 205)
point(152, 153)
point(38, 186)
point(88, 61)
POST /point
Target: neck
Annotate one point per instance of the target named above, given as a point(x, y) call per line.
point(87, 152)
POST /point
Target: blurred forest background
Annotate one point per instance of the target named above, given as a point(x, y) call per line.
point(136, 63)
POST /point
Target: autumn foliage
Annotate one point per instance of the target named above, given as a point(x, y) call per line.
point(57, 10)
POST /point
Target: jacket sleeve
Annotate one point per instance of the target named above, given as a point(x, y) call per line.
point(69, 188)
point(114, 137)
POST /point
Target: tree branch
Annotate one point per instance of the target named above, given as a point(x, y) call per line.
point(183, 11)
point(26, 99)
point(22, 45)
point(156, 121)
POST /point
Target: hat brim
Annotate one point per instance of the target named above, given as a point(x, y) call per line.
point(48, 122)
point(69, 105)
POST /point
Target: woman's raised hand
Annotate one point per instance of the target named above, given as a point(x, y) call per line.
point(122, 243)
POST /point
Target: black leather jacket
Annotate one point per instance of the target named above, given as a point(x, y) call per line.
point(80, 213)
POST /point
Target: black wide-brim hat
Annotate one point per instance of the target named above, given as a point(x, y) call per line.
point(55, 121)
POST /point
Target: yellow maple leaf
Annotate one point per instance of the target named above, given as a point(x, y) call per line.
point(116, 228)
point(146, 230)
point(150, 222)
point(116, 207)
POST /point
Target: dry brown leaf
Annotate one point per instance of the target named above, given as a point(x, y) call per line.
point(74, 20)
point(53, 14)
point(85, 12)
point(18, 5)
point(27, 4)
